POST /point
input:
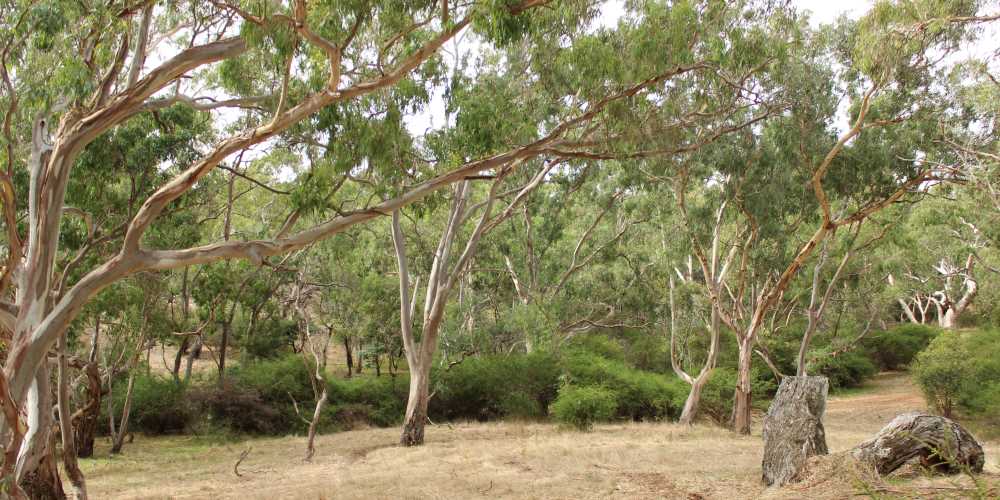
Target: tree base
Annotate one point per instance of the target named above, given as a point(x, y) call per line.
point(793, 429)
point(413, 432)
point(42, 487)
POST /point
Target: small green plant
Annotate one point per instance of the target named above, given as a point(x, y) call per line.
point(582, 407)
point(960, 370)
point(941, 371)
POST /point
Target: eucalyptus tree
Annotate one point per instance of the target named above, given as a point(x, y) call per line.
point(886, 71)
point(577, 222)
point(942, 259)
point(298, 63)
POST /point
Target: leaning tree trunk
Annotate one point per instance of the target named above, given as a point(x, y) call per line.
point(693, 400)
point(118, 438)
point(416, 406)
point(793, 428)
point(741, 406)
point(940, 443)
point(314, 423)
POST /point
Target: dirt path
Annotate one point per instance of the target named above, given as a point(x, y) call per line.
point(502, 460)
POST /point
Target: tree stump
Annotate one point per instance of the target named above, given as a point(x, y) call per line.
point(793, 428)
point(940, 443)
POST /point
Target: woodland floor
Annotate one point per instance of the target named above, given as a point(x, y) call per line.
point(519, 460)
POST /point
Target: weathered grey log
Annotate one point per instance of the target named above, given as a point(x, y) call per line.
point(793, 428)
point(939, 442)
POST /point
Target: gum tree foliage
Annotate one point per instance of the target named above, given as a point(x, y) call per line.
point(74, 72)
point(142, 138)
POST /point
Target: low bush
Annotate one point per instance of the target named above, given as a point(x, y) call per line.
point(240, 409)
point(640, 395)
point(159, 405)
point(895, 348)
point(582, 407)
point(846, 369)
point(718, 395)
point(492, 387)
point(380, 401)
point(598, 345)
point(961, 370)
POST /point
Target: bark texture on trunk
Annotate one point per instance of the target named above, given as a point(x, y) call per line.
point(85, 419)
point(690, 410)
point(314, 425)
point(940, 443)
point(43, 483)
point(37, 471)
point(743, 398)
point(66, 431)
point(350, 357)
point(416, 408)
point(793, 428)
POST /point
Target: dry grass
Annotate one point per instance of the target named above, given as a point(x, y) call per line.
point(509, 460)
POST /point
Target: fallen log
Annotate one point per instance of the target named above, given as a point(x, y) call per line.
point(940, 443)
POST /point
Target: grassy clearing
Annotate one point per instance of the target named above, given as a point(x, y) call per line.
point(510, 460)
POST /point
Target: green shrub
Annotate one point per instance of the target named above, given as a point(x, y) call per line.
point(846, 369)
point(491, 387)
point(599, 345)
point(640, 395)
point(895, 348)
point(379, 400)
point(718, 395)
point(159, 405)
point(277, 380)
point(581, 407)
point(942, 370)
point(982, 394)
point(259, 397)
point(961, 370)
point(241, 409)
point(648, 353)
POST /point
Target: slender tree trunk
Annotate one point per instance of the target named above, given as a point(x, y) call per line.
point(741, 406)
point(350, 357)
point(69, 453)
point(193, 354)
point(118, 438)
point(416, 405)
point(226, 328)
point(179, 358)
point(314, 423)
